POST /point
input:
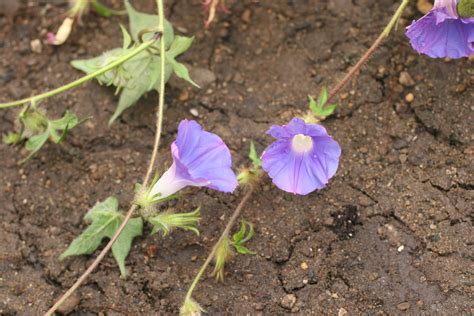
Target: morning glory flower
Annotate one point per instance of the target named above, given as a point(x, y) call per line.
point(302, 159)
point(200, 159)
point(442, 32)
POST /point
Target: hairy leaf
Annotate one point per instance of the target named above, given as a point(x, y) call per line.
point(104, 221)
point(142, 73)
point(180, 45)
point(182, 72)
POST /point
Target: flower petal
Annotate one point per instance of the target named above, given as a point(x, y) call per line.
point(301, 172)
point(451, 38)
point(202, 155)
point(200, 159)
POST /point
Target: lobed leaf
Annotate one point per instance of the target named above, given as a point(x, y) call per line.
point(104, 221)
point(180, 45)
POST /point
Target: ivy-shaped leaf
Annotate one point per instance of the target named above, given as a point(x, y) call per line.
point(141, 73)
point(104, 221)
point(180, 45)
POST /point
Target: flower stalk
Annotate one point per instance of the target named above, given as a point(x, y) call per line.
point(224, 236)
point(385, 33)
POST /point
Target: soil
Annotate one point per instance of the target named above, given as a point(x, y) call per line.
point(391, 234)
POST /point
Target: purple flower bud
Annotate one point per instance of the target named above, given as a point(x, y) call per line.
point(200, 159)
point(302, 159)
point(442, 33)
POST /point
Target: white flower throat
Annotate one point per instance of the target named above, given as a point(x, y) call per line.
point(301, 143)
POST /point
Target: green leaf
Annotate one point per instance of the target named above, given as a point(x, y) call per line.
point(254, 156)
point(64, 124)
point(110, 204)
point(323, 97)
point(312, 104)
point(180, 45)
point(104, 221)
point(93, 64)
point(237, 237)
point(327, 110)
point(69, 120)
point(34, 143)
point(101, 9)
point(144, 70)
point(182, 72)
point(11, 138)
point(320, 109)
point(122, 245)
point(240, 238)
point(127, 39)
point(243, 250)
point(168, 73)
point(140, 21)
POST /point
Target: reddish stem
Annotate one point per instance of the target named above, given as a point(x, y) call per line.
point(354, 70)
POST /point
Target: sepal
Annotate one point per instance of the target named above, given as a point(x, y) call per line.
point(166, 222)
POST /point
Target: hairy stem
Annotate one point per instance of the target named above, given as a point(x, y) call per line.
point(147, 175)
point(224, 235)
point(81, 80)
point(161, 103)
point(354, 70)
point(94, 264)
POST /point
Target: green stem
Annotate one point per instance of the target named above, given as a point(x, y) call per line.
point(81, 80)
point(161, 103)
point(395, 18)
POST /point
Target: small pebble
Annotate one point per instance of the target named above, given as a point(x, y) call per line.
point(403, 306)
point(400, 249)
point(246, 16)
point(342, 312)
point(409, 97)
point(36, 46)
point(69, 304)
point(403, 158)
point(288, 301)
point(259, 306)
point(194, 112)
point(304, 266)
point(184, 96)
point(406, 79)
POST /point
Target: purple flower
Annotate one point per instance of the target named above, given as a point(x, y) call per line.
point(200, 159)
point(302, 159)
point(442, 33)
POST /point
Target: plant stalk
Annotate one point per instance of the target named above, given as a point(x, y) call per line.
point(81, 80)
point(224, 235)
point(147, 175)
point(354, 70)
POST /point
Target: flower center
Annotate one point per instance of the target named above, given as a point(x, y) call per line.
point(301, 143)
